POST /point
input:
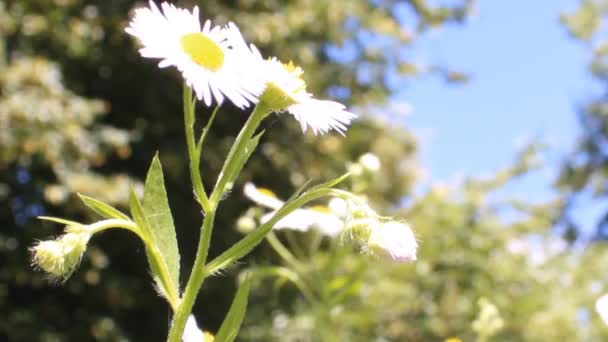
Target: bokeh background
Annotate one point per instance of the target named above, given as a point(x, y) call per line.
point(490, 120)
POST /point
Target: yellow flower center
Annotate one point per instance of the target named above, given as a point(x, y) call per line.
point(296, 72)
point(267, 192)
point(203, 51)
point(321, 209)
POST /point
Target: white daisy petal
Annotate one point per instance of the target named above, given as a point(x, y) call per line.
point(262, 196)
point(192, 333)
point(210, 62)
point(320, 115)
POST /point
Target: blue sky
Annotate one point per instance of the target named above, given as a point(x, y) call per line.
point(528, 77)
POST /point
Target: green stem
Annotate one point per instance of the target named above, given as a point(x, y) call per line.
point(197, 277)
point(172, 297)
point(113, 223)
point(282, 251)
point(237, 149)
point(193, 151)
point(246, 244)
point(288, 274)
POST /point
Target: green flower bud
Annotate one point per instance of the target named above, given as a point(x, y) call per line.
point(61, 257)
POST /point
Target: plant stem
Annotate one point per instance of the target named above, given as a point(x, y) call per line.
point(282, 251)
point(195, 282)
point(193, 152)
point(113, 223)
point(237, 149)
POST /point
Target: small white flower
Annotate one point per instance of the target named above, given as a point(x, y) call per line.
point(303, 219)
point(393, 240)
point(370, 162)
point(211, 59)
point(262, 196)
point(601, 306)
point(286, 90)
point(192, 333)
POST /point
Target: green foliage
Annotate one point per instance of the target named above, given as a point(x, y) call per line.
point(103, 209)
point(586, 168)
point(158, 214)
point(155, 221)
point(74, 56)
point(232, 323)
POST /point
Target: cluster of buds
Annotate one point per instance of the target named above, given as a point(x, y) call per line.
point(60, 257)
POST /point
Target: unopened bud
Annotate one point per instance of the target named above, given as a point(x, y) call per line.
point(60, 257)
point(393, 240)
point(245, 224)
point(370, 162)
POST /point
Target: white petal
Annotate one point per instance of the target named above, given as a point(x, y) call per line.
point(321, 116)
point(260, 197)
point(192, 333)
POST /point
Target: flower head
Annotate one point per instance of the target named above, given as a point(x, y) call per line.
point(211, 59)
point(286, 91)
point(393, 240)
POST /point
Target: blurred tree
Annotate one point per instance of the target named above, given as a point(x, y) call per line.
point(487, 270)
point(586, 169)
point(81, 111)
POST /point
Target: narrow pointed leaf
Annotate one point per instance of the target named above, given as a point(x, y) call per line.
point(242, 159)
point(59, 220)
point(103, 209)
point(158, 214)
point(232, 323)
point(152, 252)
point(330, 184)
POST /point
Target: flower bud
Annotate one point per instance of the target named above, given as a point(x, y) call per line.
point(370, 162)
point(60, 257)
point(245, 224)
point(393, 240)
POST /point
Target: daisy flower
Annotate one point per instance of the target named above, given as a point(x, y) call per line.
point(192, 333)
point(209, 57)
point(322, 218)
point(286, 91)
point(393, 240)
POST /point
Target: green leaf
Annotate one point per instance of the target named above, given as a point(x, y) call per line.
point(158, 265)
point(101, 208)
point(232, 323)
point(158, 214)
point(331, 183)
point(60, 220)
point(242, 159)
point(137, 212)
